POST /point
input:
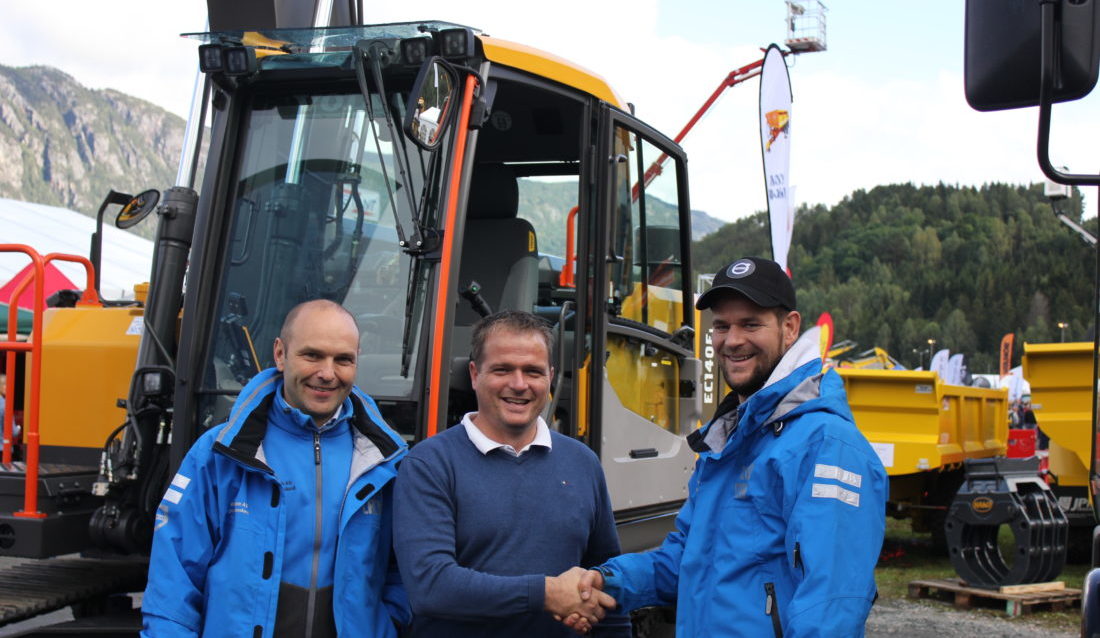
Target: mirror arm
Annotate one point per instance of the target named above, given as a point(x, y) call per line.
point(1046, 89)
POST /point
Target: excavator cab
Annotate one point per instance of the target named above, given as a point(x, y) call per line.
point(424, 175)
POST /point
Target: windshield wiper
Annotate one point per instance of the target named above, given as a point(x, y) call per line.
point(375, 51)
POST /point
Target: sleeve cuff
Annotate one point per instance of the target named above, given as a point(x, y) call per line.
point(612, 584)
point(536, 593)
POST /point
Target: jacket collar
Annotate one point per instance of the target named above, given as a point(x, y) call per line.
point(795, 381)
point(243, 433)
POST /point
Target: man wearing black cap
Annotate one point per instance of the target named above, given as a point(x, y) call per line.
point(786, 510)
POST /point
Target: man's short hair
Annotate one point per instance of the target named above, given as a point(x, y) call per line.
point(292, 316)
point(512, 320)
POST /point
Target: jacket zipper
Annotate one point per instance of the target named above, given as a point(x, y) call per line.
point(311, 605)
point(798, 560)
point(771, 608)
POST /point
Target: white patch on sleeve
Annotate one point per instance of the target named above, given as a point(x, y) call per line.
point(180, 481)
point(823, 490)
point(837, 473)
point(173, 496)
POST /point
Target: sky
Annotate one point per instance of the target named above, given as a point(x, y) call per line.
point(883, 104)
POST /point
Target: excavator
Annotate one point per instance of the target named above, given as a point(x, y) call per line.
point(382, 167)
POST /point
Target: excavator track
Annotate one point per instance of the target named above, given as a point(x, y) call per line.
point(37, 587)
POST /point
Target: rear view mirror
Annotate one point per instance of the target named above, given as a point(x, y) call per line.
point(137, 209)
point(430, 103)
point(1003, 51)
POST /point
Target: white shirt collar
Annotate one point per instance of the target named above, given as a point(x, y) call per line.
point(485, 445)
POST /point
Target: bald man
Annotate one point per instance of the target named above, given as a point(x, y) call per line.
point(278, 521)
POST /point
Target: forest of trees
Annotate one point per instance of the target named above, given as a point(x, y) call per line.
point(901, 264)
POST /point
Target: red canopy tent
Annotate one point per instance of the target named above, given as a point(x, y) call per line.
point(53, 281)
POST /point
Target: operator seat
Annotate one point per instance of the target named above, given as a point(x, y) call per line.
point(499, 252)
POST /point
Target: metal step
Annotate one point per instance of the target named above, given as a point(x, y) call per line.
point(36, 587)
point(65, 500)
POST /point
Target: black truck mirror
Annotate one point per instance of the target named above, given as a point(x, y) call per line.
point(1003, 57)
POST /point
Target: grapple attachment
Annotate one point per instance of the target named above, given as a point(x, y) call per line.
point(1006, 492)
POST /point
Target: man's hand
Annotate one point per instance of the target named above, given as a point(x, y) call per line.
point(589, 586)
point(591, 579)
point(564, 600)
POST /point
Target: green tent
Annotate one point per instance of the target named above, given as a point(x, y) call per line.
point(26, 317)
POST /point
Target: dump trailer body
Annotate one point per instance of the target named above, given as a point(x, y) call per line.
point(943, 447)
point(1061, 393)
point(917, 423)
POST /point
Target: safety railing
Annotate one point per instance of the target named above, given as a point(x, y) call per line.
point(33, 348)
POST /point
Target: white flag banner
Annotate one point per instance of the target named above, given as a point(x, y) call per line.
point(956, 370)
point(775, 144)
point(939, 363)
point(1017, 386)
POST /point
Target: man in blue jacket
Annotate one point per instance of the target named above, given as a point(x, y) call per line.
point(786, 509)
point(278, 522)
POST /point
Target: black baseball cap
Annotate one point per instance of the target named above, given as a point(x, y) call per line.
point(759, 279)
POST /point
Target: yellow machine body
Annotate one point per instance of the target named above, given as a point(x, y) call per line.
point(647, 382)
point(88, 357)
point(918, 423)
point(1061, 392)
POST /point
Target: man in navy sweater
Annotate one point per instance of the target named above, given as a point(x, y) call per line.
point(488, 512)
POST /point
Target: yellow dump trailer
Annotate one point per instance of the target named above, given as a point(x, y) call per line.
point(923, 429)
point(917, 423)
point(1061, 392)
point(944, 449)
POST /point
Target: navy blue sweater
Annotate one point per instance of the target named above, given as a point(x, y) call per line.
point(475, 535)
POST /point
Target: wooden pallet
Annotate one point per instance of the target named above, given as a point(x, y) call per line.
point(1016, 599)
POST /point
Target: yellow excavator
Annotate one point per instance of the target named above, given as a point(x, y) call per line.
point(385, 167)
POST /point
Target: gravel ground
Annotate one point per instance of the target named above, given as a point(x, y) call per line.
point(889, 618)
point(937, 620)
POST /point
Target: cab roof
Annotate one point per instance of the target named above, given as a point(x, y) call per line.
point(548, 65)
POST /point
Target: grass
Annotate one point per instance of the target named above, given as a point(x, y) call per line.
point(908, 556)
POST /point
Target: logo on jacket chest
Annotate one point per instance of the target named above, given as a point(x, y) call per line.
point(741, 485)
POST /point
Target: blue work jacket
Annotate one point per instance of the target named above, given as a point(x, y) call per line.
point(217, 554)
point(784, 521)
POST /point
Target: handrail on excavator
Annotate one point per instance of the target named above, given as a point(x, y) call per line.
point(34, 346)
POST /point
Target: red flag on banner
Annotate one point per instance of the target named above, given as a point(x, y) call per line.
point(825, 321)
point(1007, 342)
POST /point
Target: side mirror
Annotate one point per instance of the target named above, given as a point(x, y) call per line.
point(430, 103)
point(137, 209)
point(1003, 58)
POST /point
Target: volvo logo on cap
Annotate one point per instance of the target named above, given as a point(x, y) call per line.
point(741, 268)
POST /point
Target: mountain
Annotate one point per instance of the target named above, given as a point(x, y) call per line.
point(63, 144)
point(546, 203)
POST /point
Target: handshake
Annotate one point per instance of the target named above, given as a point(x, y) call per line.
point(575, 598)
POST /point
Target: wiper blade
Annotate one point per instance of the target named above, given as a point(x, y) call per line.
point(399, 157)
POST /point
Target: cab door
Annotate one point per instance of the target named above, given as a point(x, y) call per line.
point(643, 389)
